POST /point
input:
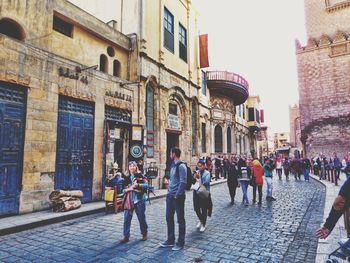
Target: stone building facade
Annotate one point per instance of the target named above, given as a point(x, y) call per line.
point(294, 124)
point(64, 85)
point(323, 71)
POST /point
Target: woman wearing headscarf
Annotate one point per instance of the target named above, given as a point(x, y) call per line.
point(232, 179)
point(258, 181)
point(135, 200)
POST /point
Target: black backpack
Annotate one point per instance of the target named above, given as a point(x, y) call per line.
point(189, 178)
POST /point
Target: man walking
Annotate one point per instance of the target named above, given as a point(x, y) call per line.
point(268, 168)
point(175, 201)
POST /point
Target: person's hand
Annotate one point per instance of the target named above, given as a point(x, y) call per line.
point(322, 232)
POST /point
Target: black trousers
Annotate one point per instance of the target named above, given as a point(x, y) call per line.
point(201, 207)
point(259, 187)
point(232, 186)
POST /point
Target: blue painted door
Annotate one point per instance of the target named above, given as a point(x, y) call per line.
point(75, 144)
point(12, 126)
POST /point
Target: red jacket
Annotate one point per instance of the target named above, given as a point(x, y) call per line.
point(258, 172)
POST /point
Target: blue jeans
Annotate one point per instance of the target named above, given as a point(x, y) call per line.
point(306, 173)
point(176, 205)
point(269, 186)
point(244, 185)
point(140, 208)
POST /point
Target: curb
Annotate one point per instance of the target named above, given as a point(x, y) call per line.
point(27, 226)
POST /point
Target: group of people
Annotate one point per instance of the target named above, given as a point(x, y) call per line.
point(322, 166)
point(240, 172)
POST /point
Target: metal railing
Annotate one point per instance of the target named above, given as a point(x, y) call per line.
point(227, 76)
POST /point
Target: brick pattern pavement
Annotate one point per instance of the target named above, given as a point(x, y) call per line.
point(279, 232)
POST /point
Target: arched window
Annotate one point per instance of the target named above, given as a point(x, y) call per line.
point(229, 140)
point(150, 119)
point(116, 68)
point(194, 128)
point(103, 63)
point(12, 29)
point(218, 139)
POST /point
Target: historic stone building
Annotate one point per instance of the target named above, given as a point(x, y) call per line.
point(323, 70)
point(67, 102)
point(294, 124)
point(227, 90)
point(173, 97)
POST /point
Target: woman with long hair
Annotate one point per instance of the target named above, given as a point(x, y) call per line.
point(135, 200)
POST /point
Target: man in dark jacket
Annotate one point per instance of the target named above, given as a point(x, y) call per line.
point(341, 203)
point(232, 179)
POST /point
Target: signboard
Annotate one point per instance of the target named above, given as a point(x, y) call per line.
point(173, 122)
point(136, 151)
point(137, 133)
point(217, 114)
point(203, 51)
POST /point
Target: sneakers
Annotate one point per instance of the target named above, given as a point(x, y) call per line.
point(272, 198)
point(177, 247)
point(202, 229)
point(199, 224)
point(166, 244)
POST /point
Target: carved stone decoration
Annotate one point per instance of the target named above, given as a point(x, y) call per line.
point(311, 43)
point(339, 37)
point(325, 40)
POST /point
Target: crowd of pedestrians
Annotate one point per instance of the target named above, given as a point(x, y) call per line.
point(240, 172)
point(322, 166)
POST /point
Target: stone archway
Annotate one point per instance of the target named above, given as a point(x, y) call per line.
point(12, 29)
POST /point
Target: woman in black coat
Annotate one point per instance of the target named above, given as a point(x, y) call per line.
point(232, 179)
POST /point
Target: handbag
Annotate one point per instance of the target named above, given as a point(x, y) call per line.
point(195, 186)
point(203, 192)
point(128, 202)
point(109, 195)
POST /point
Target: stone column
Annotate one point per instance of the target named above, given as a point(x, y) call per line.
point(224, 137)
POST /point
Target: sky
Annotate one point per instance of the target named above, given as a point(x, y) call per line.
point(255, 38)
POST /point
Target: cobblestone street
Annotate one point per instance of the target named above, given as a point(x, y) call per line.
point(282, 231)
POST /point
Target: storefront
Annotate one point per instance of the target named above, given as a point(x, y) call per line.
point(12, 126)
point(117, 137)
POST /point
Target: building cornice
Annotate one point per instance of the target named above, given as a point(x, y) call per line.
point(337, 7)
point(338, 45)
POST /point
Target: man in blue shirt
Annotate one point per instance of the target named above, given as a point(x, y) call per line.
point(175, 201)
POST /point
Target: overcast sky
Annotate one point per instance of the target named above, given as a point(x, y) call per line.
point(255, 38)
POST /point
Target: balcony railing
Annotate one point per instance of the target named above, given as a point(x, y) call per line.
point(227, 76)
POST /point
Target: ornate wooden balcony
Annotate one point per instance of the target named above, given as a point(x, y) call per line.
point(228, 84)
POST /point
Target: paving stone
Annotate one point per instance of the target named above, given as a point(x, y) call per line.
point(282, 231)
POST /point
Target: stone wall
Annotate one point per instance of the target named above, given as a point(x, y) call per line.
point(326, 17)
point(324, 91)
point(40, 75)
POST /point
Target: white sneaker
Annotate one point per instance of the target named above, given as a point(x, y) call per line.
point(202, 229)
point(199, 224)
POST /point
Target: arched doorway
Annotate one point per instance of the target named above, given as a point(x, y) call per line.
point(218, 139)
